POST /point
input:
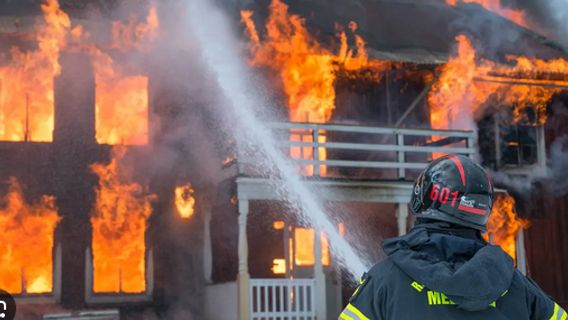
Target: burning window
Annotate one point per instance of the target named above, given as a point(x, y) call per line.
point(119, 223)
point(121, 107)
point(26, 81)
point(26, 259)
point(121, 98)
point(519, 145)
point(304, 247)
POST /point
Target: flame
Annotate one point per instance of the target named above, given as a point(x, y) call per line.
point(134, 35)
point(467, 83)
point(278, 225)
point(517, 16)
point(306, 69)
point(26, 81)
point(120, 96)
point(278, 266)
point(185, 202)
point(119, 221)
point(121, 103)
point(504, 224)
point(304, 248)
point(27, 242)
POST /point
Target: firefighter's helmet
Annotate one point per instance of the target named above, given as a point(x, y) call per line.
point(454, 189)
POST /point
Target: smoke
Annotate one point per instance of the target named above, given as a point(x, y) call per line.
point(558, 11)
point(558, 166)
point(552, 177)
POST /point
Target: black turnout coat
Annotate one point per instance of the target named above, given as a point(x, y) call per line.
point(438, 271)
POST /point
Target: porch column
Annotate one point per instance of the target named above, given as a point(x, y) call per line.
point(521, 253)
point(243, 278)
point(541, 146)
point(319, 278)
point(207, 253)
point(402, 218)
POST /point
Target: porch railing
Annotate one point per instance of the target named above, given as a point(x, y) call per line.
point(285, 299)
point(321, 149)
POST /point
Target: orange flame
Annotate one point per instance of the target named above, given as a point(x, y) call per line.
point(26, 82)
point(119, 220)
point(278, 266)
point(304, 248)
point(306, 69)
point(27, 242)
point(185, 202)
point(517, 16)
point(121, 103)
point(504, 224)
point(467, 84)
point(121, 99)
point(134, 35)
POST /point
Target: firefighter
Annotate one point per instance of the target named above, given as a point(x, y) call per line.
point(443, 268)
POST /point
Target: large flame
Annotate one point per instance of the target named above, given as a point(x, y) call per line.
point(504, 224)
point(468, 83)
point(122, 99)
point(121, 103)
point(26, 81)
point(517, 16)
point(119, 221)
point(185, 201)
point(306, 69)
point(26, 263)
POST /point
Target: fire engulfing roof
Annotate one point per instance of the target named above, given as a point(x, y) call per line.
point(420, 31)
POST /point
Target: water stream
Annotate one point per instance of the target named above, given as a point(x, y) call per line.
point(221, 52)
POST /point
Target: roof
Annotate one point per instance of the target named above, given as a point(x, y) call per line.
point(421, 31)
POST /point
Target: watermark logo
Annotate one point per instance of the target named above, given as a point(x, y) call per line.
point(7, 306)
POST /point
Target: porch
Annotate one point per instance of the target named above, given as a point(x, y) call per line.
point(340, 164)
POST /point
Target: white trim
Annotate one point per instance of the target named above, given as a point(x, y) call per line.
point(285, 299)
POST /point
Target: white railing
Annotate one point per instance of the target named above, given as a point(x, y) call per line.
point(365, 148)
point(284, 299)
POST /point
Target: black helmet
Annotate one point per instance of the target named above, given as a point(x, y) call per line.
point(454, 189)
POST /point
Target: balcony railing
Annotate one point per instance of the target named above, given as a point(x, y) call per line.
point(329, 150)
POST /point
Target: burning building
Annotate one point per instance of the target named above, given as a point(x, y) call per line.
point(121, 195)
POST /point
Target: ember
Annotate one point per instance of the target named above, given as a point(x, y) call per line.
point(185, 202)
point(26, 264)
point(119, 222)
